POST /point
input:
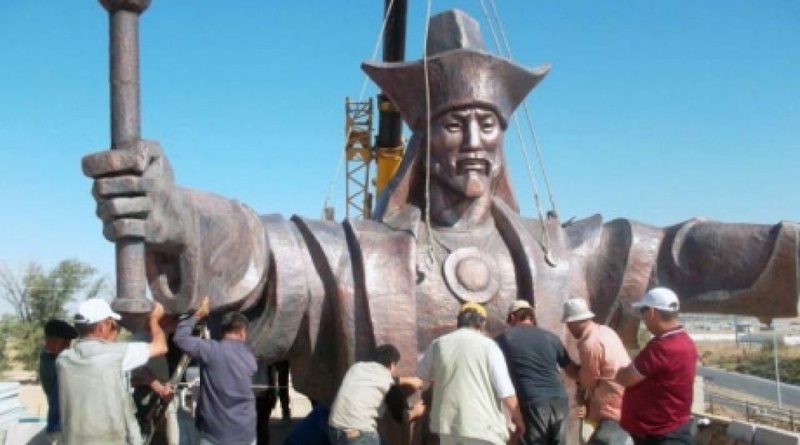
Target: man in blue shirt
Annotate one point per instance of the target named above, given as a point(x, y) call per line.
point(226, 410)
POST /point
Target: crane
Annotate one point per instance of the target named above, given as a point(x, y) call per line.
point(388, 147)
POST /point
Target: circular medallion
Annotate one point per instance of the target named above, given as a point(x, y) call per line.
point(471, 275)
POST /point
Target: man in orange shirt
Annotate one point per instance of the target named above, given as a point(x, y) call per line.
point(601, 353)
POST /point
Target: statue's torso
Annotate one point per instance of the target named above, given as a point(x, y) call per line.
point(367, 283)
point(454, 267)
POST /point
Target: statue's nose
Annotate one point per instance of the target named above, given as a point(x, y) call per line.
point(472, 136)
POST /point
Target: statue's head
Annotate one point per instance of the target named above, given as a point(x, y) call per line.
point(465, 97)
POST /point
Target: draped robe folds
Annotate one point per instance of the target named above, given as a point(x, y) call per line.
point(324, 294)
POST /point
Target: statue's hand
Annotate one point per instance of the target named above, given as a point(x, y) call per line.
point(136, 195)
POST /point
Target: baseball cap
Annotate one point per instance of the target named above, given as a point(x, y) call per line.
point(472, 306)
point(60, 329)
point(94, 310)
point(517, 305)
point(659, 298)
point(575, 309)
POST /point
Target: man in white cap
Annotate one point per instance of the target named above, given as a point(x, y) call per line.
point(656, 407)
point(96, 406)
point(601, 353)
point(534, 356)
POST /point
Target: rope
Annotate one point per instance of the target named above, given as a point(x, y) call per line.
point(364, 83)
point(505, 51)
point(429, 247)
point(527, 116)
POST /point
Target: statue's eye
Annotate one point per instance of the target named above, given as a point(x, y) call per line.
point(453, 126)
point(488, 124)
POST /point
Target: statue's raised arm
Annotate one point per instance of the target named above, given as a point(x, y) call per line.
point(197, 243)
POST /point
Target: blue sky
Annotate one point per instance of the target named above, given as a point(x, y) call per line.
point(656, 111)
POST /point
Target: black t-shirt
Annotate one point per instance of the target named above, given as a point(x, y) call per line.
point(534, 356)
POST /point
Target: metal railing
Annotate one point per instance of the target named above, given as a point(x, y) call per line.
point(785, 418)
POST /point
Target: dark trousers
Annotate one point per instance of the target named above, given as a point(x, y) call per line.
point(681, 436)
point(545, 422)
point(282, 369)
point(608, 432)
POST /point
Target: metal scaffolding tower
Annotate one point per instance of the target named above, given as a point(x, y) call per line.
point(358, 148)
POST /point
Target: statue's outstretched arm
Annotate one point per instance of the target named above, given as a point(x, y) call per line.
point(197, 243)
point(714, 267)
point(744, 269)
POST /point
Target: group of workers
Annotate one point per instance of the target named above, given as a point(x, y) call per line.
point(482, 390)
point(510, 389)
point(88, 385)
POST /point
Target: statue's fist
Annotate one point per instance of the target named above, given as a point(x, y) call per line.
point(135, 193)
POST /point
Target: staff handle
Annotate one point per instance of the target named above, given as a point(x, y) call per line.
point(126, 129)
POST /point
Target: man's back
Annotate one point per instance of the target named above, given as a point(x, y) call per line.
point(359, 401)
point(601, 354)
point(534, 356)
point(95, 405)
point(466, 391)
point(226, 403)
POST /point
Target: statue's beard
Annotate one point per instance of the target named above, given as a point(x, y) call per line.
point(476, 185)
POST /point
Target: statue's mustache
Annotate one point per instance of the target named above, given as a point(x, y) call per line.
point(473, 162)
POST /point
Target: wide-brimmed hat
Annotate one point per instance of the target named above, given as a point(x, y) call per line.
point(459, 72)
point(576, 309)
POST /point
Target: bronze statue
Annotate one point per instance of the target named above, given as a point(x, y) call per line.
point(447, 230)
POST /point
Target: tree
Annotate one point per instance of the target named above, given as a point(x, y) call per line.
point(6, 323)
point(37, 295)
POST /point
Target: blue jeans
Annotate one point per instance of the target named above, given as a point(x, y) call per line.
point(341, 436)
point(608, 432)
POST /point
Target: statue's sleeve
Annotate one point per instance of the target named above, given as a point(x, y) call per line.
point(225, 256)
point(744, 269)
point(714, 267)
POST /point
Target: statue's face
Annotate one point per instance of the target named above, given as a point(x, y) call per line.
point(467, 150)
